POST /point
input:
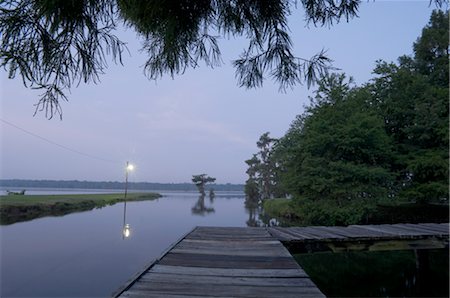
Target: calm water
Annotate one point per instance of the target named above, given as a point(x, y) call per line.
point(84, 254)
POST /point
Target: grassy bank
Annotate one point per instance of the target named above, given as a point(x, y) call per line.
point(16, 208)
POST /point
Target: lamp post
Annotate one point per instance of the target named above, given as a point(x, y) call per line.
point(126, 227)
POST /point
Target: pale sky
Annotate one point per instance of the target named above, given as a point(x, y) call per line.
point(198, 122)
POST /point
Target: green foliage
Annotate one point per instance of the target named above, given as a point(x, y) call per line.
point(53, 44)
point(279, 208)
point(329, 212)
point(201, 180)
point(263, 171)
point(431, 49)
point(413, 97)
point(386, 141)
point(337, 156)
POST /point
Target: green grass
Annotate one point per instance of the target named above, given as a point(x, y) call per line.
point(16, 208)
point(28, 200)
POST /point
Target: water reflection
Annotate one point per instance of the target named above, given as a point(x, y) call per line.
point(252, 206)
point(126, 230)
point(199, 208)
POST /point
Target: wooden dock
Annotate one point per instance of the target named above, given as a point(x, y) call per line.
point(224, 262)
point(363, 237)
point(254, 262)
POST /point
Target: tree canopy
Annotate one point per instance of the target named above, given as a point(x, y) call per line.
point(201, 180)
point(55, 44)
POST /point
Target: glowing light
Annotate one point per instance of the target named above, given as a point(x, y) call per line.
point(130, 167)
point(126, 231)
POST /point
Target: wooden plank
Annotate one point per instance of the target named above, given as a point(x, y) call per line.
point(281, 234)
point(222, 261)
point(401, 231)
point(226, 280)
point(319, 232)
point(298, 233)
point(230, 252)
point(224, 290)
point(235, 243)
point(419, 230)
point(205, 271)
point(443, 227)
point(143, 294)
point(381, 229)
point(434, 230)
point(353, 232)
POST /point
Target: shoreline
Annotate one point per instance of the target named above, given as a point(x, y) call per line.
point(19, 208)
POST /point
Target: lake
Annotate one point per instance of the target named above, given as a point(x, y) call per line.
point(85, 254)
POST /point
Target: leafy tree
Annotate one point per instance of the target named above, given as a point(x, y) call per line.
point(338, 159)
point(53, 44)
point(431, 49)
point(413, 97)
point(266, 166)
point(200, 181)
point(252, 183)
point(262, 171)
point(387, 139)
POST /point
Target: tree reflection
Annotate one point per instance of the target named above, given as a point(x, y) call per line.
point(212, 195)
point(199, 208)
point(252, 207)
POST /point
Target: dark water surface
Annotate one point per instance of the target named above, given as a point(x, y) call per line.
point(85, 254)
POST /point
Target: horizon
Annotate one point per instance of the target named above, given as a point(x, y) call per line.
point(110, 181)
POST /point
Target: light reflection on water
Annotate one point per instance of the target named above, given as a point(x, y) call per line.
point(84, 254)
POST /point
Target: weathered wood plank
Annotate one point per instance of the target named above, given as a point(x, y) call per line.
point(232, 272)
point(441, 230)
point(239, 242)
point(443, 227)
point(281, 234)
point(225, 290)
point(260, 252)
point(222, 261)
point(226, 280)
point(318, 232)
point(393, 230)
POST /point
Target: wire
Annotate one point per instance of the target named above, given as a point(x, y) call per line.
point(56, 144)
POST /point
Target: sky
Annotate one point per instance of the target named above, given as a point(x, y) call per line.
point(197, 122)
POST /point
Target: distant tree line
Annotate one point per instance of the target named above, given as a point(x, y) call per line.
point(355, 146)
point(113, 185)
